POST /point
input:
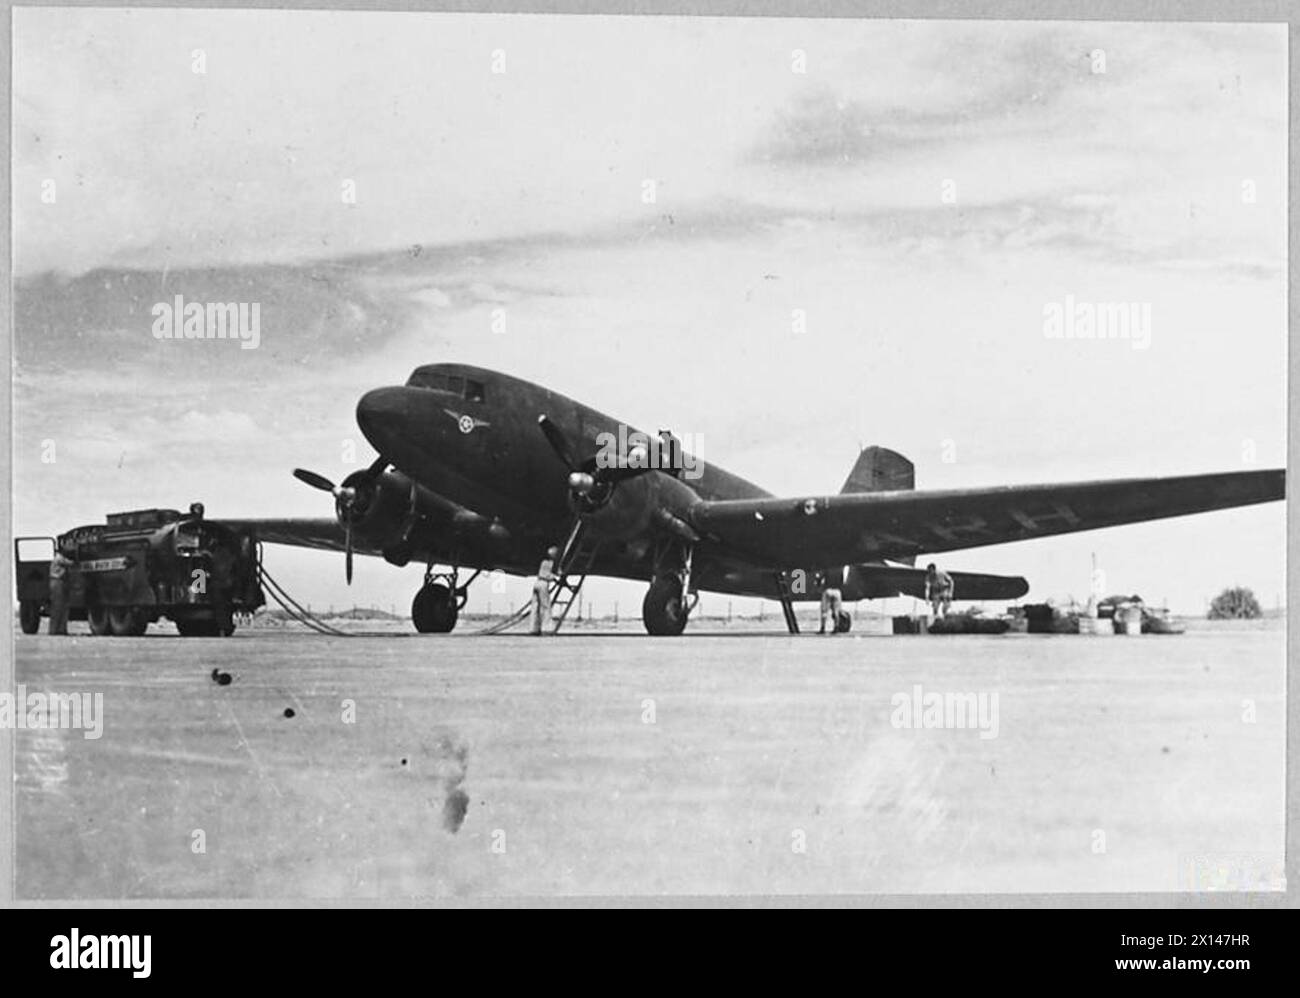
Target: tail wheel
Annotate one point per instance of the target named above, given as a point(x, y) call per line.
point(434, 610)
point(663, 611)
point(127, 621)
point(98, 618)
point(29, 616)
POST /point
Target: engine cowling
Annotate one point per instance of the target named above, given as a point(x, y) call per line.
point(399, 515)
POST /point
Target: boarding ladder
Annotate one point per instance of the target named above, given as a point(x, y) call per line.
point(787, 605)
point(574, 566)
point(575, 563)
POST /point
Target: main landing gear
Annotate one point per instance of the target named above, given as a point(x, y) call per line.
point(669, 601)
point(439, 601)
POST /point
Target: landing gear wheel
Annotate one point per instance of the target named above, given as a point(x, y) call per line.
point(97, 617)
point(127, 621)
point(843, 622)
point(662, 610)
point(29, 616)
point(434, 610)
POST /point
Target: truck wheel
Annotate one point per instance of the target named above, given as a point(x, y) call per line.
point(29, 616)
point(127, 621)
point(97, 617)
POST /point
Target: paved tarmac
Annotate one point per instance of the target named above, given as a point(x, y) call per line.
point(473, 767)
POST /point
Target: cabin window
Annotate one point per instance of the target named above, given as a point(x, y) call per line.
point(456, 384)
point(473, 390)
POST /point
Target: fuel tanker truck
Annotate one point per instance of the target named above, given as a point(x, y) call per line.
point(142, 565)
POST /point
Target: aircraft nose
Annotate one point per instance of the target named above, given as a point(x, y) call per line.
point(382, 413)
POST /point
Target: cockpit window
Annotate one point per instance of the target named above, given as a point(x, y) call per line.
point(428, 379)
point(456, 384)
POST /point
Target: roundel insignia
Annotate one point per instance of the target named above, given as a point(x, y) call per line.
point(810, 506)
point(466, 424)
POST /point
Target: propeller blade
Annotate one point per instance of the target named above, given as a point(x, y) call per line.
point(555, 437)
point(314, 480)
point(379, 466)
point(347, 555)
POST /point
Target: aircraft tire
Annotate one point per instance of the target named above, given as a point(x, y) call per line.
point(661, 610)
point(843, 622)
point(434, 611)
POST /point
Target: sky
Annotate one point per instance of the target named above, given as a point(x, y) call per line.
point(788, 238)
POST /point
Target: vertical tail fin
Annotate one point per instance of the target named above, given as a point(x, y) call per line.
point(879, 469)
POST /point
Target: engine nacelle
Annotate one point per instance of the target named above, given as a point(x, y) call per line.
point(635, 505)
point(396, 514)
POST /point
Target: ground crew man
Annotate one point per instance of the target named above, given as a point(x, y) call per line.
point(546, 574)
point(832, 601)
point(59, 594)
point(938, 590)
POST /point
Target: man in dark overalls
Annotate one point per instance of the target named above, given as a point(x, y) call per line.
point(59, 594)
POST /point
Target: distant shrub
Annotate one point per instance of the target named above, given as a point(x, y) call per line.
point(1233, 604)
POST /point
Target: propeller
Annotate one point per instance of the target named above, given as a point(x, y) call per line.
point(587, 477)
point(558, 441)
point(345, 499)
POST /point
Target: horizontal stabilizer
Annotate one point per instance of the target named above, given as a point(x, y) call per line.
point(881, 581)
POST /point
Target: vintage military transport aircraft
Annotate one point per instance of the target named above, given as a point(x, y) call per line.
point(480, 470)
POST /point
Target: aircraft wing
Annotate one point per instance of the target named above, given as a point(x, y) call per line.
point(861, 527)
point(314, 532)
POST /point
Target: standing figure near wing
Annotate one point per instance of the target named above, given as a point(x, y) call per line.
point(832, 601)
point(938, 590)
point(546, 574)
